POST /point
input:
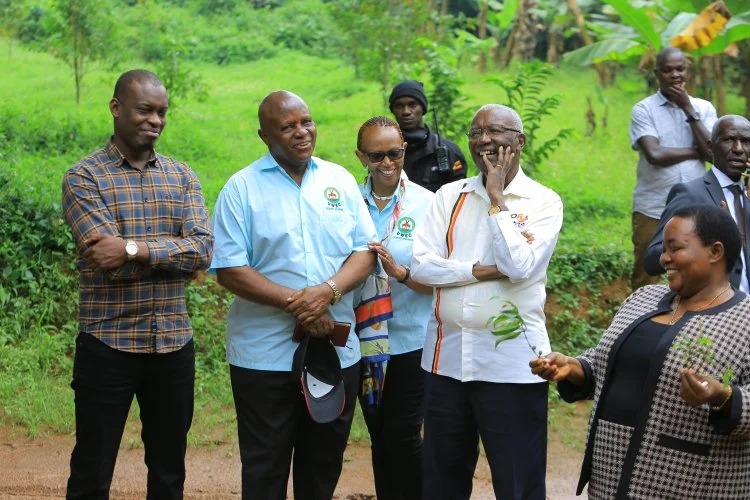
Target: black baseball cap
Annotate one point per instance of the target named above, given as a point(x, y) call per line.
point(319, 369)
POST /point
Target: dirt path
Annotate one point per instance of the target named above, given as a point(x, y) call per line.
point(37, 469)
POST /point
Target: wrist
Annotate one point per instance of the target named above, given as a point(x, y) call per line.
point(726, 397)
point(336, 296)
point(692, 116)
point(407, 274)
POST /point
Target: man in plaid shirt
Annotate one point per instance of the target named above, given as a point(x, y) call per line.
point(141, 229)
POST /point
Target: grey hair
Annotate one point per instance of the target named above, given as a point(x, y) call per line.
point(513, 116)
point(727, 118)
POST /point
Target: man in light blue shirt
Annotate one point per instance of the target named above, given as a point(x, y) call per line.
point(291, 244)
point(670, 130)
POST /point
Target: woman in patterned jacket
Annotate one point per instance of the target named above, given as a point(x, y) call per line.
point(670, 376)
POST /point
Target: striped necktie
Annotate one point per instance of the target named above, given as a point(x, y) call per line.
point(739, 214)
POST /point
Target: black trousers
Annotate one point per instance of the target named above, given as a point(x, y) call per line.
point(105, 381)
point(396, 430)
point(511, 419)
point(275, 429)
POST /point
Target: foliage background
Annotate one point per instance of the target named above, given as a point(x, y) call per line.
point(223, 56)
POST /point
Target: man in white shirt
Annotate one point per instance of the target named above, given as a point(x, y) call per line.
point(487, 240)
point(670, 131)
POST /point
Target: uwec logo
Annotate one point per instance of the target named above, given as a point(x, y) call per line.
point(405, 227)
point(333, 198)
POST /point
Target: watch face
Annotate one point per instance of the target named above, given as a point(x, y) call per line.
point(131, 248)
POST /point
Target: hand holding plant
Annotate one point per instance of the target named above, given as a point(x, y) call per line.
point(696, 388)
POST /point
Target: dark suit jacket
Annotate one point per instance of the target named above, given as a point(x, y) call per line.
point(703, 191)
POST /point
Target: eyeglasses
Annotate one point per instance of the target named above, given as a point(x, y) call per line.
point(378, 156)
point(493, 131)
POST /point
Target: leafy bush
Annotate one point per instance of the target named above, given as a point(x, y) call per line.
point(36, 265)
point(585, 289)
point(524, 93)
point(32, 130)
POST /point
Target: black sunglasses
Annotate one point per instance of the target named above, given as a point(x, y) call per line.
point(378, 156)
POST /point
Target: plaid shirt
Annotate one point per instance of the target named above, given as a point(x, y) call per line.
point(138, 307)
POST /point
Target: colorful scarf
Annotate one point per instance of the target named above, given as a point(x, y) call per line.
point(372, 314)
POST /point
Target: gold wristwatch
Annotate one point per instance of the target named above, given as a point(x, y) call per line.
point(495, 209)
point(336, 292)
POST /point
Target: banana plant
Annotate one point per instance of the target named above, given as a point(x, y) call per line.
point(648, 26)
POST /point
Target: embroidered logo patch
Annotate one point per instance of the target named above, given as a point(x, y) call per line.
point(519, 220)
point(405, 227)
point(333, 198)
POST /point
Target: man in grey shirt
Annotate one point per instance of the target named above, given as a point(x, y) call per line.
point(670, 131)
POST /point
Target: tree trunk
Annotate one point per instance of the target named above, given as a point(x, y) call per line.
point(601, 71)
point(554, 45)
point(744, 68)
point(482, 31)
point(444, 7)
point(721, 97)
point(510, 44)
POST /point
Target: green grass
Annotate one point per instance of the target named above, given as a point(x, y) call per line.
point(593, 175)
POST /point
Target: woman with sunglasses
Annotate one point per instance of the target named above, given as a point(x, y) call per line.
point(392, 314)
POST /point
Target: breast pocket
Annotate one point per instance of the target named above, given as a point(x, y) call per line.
point(169, 208)
point(336, 233)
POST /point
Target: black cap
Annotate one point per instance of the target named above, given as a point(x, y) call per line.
point(319, 369)
point(409, 88)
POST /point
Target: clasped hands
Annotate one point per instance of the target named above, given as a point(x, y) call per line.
point(309, 306)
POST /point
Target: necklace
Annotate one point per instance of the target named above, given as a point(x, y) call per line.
point(382, 198)
point(674, 317)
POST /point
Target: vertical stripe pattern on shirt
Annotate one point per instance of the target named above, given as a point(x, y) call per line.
point(449, 245)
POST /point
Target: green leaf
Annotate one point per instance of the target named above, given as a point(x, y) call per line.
point(639, 20)
point(676, 26)
point(509, 336)
point(613, 49)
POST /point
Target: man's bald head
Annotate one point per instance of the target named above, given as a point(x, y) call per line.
point(288, 130)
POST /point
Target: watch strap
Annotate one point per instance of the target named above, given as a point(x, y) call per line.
point(406, 277)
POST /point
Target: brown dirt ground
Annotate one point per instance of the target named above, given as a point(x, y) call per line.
point(38, 468)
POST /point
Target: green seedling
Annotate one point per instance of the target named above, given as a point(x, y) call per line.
point(508, 324)
point(699, 353)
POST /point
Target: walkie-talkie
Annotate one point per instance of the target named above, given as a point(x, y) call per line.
point(441, 153)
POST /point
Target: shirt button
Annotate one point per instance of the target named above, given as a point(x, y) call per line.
point(148, 229)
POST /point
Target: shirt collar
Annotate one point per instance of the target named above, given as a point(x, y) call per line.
point(724, 181)
point(663, 101)
point(269, 163)
point(114, 154)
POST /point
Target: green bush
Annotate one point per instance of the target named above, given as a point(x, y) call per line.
point(35, 130)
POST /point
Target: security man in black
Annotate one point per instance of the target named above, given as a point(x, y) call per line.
point(430, 161)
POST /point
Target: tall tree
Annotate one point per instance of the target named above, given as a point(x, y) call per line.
point(382, 35)
point(81, 32)
point(12, 13)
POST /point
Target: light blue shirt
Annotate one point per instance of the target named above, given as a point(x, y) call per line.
point(657, 117)
point(411, 310)
point(296, 236)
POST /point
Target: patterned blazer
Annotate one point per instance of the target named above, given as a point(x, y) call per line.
point(674, 450)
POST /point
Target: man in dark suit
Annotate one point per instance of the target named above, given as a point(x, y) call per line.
point(730, 143)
